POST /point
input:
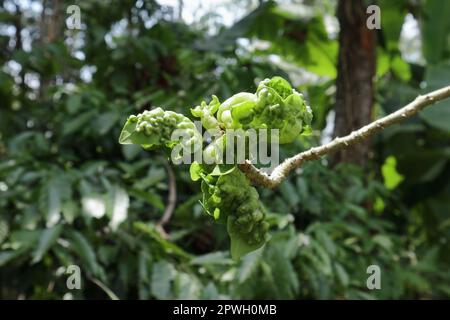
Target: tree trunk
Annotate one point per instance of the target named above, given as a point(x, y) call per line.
point(356, 68)
point(51, 30)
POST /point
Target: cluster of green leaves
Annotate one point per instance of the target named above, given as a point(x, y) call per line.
point(229, 199)
point(275, 105)
point(155, 128)
point(227, 195)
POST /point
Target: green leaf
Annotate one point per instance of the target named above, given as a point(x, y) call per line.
point(415, 280)
point(281, 86)
point(106, 121)
point(435, 29)
point(214, 258)
point(10, 255)
point(47, 238)
point(129, 135)
point(383, 62)
point(54, 202)
point(341, 274)
point(383, 241)
point(130, 151)
point(162, 275)
point(222, 169)
point(169, 247)
point(73, 103)
point(4, 230)
point(78, 122)
point(70, 211)
point(156, 128)
point(437, 116)
point(56, 188)
point(186, 286)
point(249, 265)
point(85, 251)
point(400, 68)
point(195, 170)
point(239, 245)
point(285, 277)
point(120, 202)
point(290, 194)
point(151, 198)
point(390, 175)
point(210, 292)
point(326, 241)
point(24, 238)
point(393, 14)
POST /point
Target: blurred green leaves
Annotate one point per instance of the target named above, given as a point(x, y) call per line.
point(46, 240)
point(439, 116)
point(302, 40)
point(435, 30)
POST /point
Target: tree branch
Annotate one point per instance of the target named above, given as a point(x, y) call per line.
point(171, 200)
point(281, 171)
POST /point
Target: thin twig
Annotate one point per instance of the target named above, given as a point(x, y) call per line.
point(171, 200)
point(107, 290)
point(281, 171)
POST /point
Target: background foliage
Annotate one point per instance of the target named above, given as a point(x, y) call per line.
point(70, 194)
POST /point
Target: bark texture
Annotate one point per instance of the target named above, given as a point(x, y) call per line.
point(354, 86)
